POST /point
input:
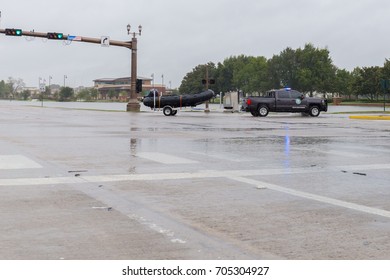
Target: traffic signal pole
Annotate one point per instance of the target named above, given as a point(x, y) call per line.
point(133, 104)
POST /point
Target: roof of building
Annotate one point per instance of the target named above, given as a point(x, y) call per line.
point(120, 79)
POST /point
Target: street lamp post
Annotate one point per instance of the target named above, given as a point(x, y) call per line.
point(133, 104)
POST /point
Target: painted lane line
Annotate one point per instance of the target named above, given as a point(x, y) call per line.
point(362, 167)
point(319, 198)
point(184, 175)
point(165, 158)
point(231, 157)
point(17, 162)
point(333, 152)
point(40, 181)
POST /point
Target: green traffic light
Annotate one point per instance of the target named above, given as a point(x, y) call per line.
point(55, 36)
point(13, 32)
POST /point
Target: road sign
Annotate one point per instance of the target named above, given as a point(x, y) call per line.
point(74, 38)
point(105, 41)
point(42, 87)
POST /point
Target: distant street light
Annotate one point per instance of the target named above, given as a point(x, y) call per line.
point(65, 77)
point(42, 88)
point(162, 82)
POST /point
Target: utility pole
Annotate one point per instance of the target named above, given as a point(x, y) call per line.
point(133, 104)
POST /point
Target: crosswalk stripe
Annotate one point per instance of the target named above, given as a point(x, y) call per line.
point(8, 162)
point(165, 158)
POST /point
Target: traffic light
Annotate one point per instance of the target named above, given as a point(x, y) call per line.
point(13, 32)
point(138, 86)
point(55, 36)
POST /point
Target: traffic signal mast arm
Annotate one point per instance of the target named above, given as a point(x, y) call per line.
point(75, 38)
point(133, 104)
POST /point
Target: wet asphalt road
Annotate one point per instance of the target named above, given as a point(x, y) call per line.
point(78, 184)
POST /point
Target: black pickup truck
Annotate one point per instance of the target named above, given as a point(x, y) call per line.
point(284, 100)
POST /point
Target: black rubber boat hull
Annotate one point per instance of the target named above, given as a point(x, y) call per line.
point(178, 101)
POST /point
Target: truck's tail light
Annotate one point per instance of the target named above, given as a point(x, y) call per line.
point(248, 102)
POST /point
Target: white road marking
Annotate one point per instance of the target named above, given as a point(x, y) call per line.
point(184, 175)
point(306, 195)
point(224, 157)
point(17, 162)
point(237, 175)
point(165, 158)
point(333, 152)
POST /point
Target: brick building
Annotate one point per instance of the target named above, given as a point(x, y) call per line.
point(119, 88)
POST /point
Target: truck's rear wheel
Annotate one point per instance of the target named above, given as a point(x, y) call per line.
point(314, 111)
point(263, 111)
point(255, 113)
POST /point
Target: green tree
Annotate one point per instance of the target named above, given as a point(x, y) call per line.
point(192, 82)
point(343, 83)
point(367, 82)
point(309, 69)
point(246, 73)
point(14, 86)
point(355, 76)
point(3, 90)
point(249, 73)
point(386, 74)
point(66, 94)
point(224, 75)
point(315, 70)
point(84, 95)
point(112, 93)
point(25, 94)
point(283, 69)
point(94, 93)
point(386, 69)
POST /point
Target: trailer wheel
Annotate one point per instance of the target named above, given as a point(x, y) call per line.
point(174, 112)
point(167, 110)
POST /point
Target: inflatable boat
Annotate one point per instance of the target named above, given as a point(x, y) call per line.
point(169, 102)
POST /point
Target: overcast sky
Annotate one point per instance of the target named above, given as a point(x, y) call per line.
point(178, 35)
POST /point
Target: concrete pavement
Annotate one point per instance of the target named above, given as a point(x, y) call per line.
point(80, 184)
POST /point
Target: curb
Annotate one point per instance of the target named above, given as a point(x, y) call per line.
point(384, 118)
